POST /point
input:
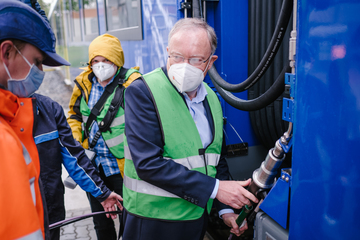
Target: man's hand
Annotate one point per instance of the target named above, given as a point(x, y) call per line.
point(230, 220)
point(110, 202)
point(234, 194)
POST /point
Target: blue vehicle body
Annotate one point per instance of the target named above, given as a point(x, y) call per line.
point(325, 162)
point(324, 187)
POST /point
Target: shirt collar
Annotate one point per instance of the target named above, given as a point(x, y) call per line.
point(200, 94)
point(95, 81)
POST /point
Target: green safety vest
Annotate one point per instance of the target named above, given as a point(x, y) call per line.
point(182, 144)
point(114, 138)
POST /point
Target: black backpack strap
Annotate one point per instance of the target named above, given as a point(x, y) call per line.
point(116, 102)
point(95, 111)
point(122, 75)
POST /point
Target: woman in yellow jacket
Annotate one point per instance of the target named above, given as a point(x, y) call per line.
point(96, 117)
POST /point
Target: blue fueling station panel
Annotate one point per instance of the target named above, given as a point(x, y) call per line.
point(325, 191)
point(276, 204)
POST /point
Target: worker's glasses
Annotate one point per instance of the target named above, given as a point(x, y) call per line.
point(192, 61)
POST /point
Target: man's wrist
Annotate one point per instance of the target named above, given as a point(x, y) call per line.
point(226, 210)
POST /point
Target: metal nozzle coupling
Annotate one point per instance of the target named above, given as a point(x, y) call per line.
point(264, 177)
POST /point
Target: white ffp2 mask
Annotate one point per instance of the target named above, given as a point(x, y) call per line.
point(185, 77)
point(103, 71)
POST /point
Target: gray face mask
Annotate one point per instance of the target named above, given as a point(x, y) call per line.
point(27, 86)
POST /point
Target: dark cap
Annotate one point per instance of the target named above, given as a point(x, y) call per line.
point(21, 22)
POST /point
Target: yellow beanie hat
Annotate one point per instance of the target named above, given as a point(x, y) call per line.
point(109, 47)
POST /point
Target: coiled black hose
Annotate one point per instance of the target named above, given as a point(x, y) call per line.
point(283, 20)
point(262, 101)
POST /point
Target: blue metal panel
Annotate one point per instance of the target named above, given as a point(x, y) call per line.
point(326, 159)
point(276, 204)
point(290, 80)
point(230, 23)
point(288, 109)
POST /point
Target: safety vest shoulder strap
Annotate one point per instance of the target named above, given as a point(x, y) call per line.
point(129, 72)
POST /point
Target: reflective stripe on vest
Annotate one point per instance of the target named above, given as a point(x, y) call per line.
point(115, 141)
point(118, 121)
point(26, 155)
point(145, 187)
point(189, 162)
point(182, 144)
point(32, 189)
point(84, 118)
point(37, 235)
point(31, 180)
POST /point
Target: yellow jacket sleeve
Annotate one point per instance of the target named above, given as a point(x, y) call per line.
point(74, 118)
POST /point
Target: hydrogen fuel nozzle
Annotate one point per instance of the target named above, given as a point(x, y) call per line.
point(263, 179)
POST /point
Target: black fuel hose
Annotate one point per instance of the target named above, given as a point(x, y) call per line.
point(278, 35)
point(196, 9)
point(262, 101)
point(78, 218)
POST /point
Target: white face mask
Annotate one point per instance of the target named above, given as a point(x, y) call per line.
point(103, 71)
point(185, 77)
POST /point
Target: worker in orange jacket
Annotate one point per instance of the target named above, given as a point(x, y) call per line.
point(26, 42)
point(20, 198)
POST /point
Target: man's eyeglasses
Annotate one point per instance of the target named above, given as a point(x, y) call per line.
point(192, 61)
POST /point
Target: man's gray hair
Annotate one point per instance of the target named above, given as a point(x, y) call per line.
point(195, 23)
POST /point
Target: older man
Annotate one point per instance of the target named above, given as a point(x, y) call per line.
point(173, 124)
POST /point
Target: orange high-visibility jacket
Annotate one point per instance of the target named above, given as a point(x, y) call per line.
point(21, 207)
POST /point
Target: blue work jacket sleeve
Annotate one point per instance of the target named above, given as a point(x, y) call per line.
point(52, 125)
point(77, 163)
point(146, 146)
